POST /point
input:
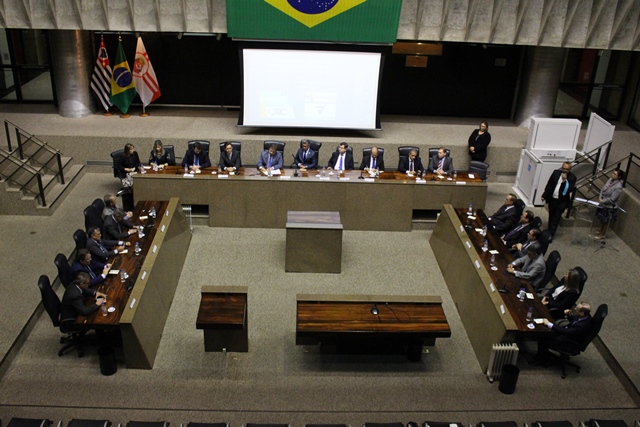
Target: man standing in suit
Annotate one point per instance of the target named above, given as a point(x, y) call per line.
point(411, 164)
point(342, 159)
point(505, 217)
point(441, 163)
point(306, 158)
point(229, 159)
point(72, 303)
point(118, 228)
point(557, 194)
point(533, 266)
point(567, 337)
point(373, 161)
point(519, 233)
point(196, 158)
point(97, 271)
point(270, 159)
point(103, 249)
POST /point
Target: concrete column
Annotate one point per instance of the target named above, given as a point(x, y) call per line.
point(72, 62)
point(539, 84)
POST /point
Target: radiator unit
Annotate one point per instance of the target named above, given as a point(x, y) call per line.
point(186, 209)
point(501, 354)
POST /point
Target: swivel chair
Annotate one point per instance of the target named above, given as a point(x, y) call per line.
point(80, 237)
point(479, 168)
point(203, 144)
point(279, 145)
point(64, 270)
point(551, 265)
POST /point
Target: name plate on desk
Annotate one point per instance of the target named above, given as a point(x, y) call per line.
point(324, 178)
point(344, 179)
point(369, 180)
point(188, 175)
point(162, 228)
point(421, 181)
point(285, 177)
point(223, 176)
point(461, 182)
point(144, 274)
point(155, 248)
point(468, 244)
point(493, 288)
point(477, 264)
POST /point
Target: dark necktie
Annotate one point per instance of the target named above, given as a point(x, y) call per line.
point(373, 163)
point(513, 232)
point(91, 273)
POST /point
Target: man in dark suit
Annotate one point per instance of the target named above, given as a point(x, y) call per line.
point(518, 234)
point(441, 163)
point(270, 159)
point(229, 159)
point(196, 158)
point(72, 303)
point(373, 161)
point(506, 216)
point(102, 249)
point(306, 158)
point(568, 336)
point(97, 271)
point(411, 163)
point(533, 238)
point(557, 194)
point(341, 159)
point(118, 228)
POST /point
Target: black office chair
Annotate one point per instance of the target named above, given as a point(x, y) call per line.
point(80, 237)
point(551, 266)
point(519, 205)
point(92, 217)
point(208, 425)
point(76, 422)
point(441, 424)
point(52, 305)
point(237, 146)
point(367, 152)
point(116, 158)
point(383, 425)
point(497, 424)
point(265, 425)
point(349, 149)
point(583, 279)
point(574, 348)
point(536, 223)
point(404, 151)
point(148, 424)
point(479, 168)
point(279, 145)
point(171, 154)
point(326, 425)
point(204, 145)
point(545, 236)
point(29, 422)
point(604, 423)
point(99, 205)
point(552, 424)
point(434, 152)
point(64, 270)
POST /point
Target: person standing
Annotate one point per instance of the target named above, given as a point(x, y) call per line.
point(557, 194)
point(609, 196)
point(479, 141)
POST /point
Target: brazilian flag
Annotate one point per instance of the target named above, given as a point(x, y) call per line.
point(355, 21)
point(123, 90)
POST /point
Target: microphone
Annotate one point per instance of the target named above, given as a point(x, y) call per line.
point(295, 172)
point(374, 309)
point(504, 289)
point(361, 177)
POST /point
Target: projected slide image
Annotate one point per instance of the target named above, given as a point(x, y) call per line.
point(320, 105)
point(276, 105)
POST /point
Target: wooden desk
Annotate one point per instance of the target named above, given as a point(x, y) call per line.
point(141, 313)
point(252, 200)
point(223, 317)
point(314, 242)
point(410, 322)
point(489, 317)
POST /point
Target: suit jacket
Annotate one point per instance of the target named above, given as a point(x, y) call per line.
point(101, 250)
point(276, 161)
point(480, 144)
point(348, 161)
point(563, 301)
point(190, 156)
point(517, 235)
point(611, 193)
point(366, 161)
point(403, 165)
point(309, 162)
point(95, 267)
point(569, 337)
point(447, 166)
point(233, 162)
point(525, 247)
point(73, 303)
point(532, 270)
point(551, 186)
point(116, 231)
point(504, 218)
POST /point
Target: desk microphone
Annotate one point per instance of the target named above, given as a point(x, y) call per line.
point(374, 309)
point(361, 177)
point(295, 172)
point(504, 289)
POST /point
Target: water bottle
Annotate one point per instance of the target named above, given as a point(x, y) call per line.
point(186, 169)
point(137, 249)
point(530, 315)
point(219, 169)
point(470, 210)
point(140, 232)
point(103, 307)
point(324, 171)
point(521, 294)
point(152, 212)
point(269, 172)
point(484, 230)
point(455, 175)
point(485, 246)
point(155, 166)
point(493, 261)
point(123, 275)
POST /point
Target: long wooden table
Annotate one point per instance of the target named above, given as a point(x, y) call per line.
point(410, 322)
point(251, 200)
point(489, 316)
point(142, 302)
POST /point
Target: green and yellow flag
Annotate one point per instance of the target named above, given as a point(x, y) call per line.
point(356, 21)
point(123, 90)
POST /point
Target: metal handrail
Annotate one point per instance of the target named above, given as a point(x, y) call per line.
point(24, 166)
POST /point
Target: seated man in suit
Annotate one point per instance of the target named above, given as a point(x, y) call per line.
point(306, 158)
point(103, 249)
point(230, 159)
point(97, 271)
point(72, 303)
point(533, 238)
point(532, 266)
point(118, 228)
point(110, 205)
point(342, 159)
point(196, 158)
point(411, 163)
point(505, 217)
point(518, 234)
point(568, 336)
point(373, 161)
point(441, 163)
point(270, 159)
